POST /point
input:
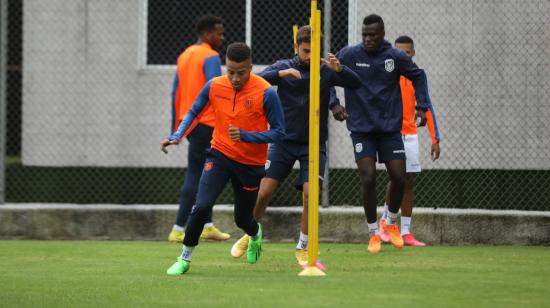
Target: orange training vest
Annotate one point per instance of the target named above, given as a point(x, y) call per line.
point(191, 79)
point(243, 109)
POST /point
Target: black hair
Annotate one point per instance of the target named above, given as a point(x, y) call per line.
point(208, 23)
point(372, 19)
point(238, 52)
point(404, 39)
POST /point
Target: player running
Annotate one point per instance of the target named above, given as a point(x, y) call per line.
point(198, 64)
point(412, 150)
point(291, 76)
point(244, 105)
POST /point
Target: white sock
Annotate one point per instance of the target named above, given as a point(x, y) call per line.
point(302, 243)
point(385, 215)
point(392, 218)
point(209, 225)
point(187, 253)
point(177, 228)
point(405, 225)
point(255, 237)
point(373, 228)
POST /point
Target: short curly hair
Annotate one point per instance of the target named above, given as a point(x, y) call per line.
point(238, 52)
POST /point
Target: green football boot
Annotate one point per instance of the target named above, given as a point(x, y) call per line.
point(179, 268)
point(254, 247)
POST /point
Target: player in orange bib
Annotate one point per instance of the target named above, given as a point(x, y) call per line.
point(248, 116)
point(410, 140)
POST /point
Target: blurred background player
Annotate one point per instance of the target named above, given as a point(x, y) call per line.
point(291, 76)
point(244, 105)
point(375, 118)
point(412, 150)
point(198, 64)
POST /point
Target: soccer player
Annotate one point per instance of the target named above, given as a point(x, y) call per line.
point(375, 117)
point(199, 63)
point(412, 150)
point(291, 76)
point(244, 104)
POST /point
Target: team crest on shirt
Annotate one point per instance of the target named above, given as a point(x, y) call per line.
point(359, 147)
point(249, 103)
point(208, 166)
point(389, 65)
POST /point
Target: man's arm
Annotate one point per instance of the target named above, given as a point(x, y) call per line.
point(212, 67)
point(346, 78)
point(338, 111)
point(200, 103)
point(175, 85)
point(341, 75)
point(275, 117)
point(434, 131)
point(431, 121)
point(271, 73)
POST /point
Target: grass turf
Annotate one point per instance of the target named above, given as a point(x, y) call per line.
point(132, 274)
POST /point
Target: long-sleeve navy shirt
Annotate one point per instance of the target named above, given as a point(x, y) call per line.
point(294, 95)
point(377, 106)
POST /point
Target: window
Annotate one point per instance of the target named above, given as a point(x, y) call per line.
point(265, 25)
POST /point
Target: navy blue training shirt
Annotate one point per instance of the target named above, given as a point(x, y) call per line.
point(377, 106)
point(294, 95)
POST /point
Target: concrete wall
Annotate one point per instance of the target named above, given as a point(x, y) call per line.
point(336, 224)
point(88, 100)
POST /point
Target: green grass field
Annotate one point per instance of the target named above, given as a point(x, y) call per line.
point(132, 274)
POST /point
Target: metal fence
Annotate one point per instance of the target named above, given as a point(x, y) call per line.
point(88, 96)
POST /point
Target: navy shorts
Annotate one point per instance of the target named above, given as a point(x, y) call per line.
point(388, 146)
point(282, 156)
point(218, 169)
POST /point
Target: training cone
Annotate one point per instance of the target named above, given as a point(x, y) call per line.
point(311, 271)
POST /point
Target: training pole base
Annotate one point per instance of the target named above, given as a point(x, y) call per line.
point(311, 271)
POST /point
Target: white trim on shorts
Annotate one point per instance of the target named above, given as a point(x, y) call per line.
point(412, 152)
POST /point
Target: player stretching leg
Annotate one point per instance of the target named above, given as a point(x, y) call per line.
point(244, 105)
point(292, 79)
point(412, 149)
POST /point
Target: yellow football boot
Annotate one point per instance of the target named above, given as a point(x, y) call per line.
point(176, 236)
point(240, 247)
point(214, 234)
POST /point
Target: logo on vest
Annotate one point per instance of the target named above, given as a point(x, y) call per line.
point(389, 65)
point(249, 103)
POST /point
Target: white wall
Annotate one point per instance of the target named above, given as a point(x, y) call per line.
point(89, 101)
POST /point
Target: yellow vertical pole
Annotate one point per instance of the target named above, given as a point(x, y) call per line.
point(294, 34)
point(314, 122)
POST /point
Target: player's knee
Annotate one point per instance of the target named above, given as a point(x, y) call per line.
point(398, 180)
point(264, 196)
point(368, 179)
point(200, 210)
